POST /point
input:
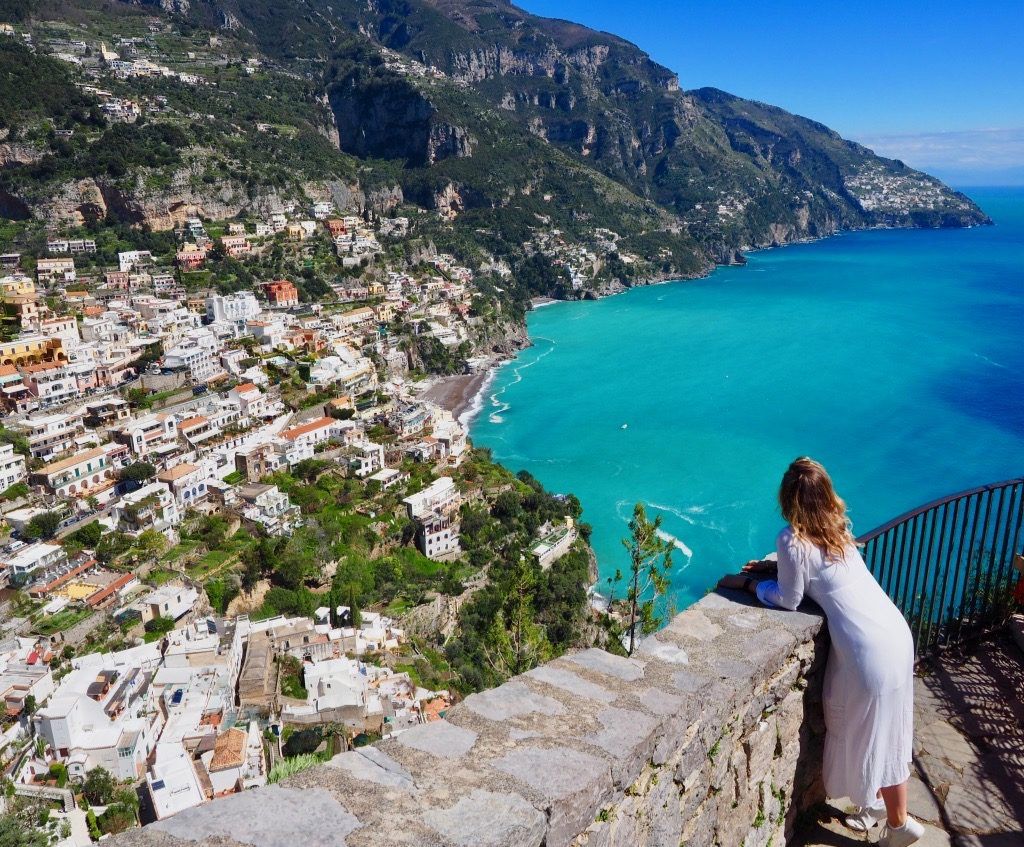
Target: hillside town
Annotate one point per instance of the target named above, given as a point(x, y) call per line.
point(154, 437)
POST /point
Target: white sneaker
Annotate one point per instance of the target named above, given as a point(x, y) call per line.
point(903, 836)
point(865, 818)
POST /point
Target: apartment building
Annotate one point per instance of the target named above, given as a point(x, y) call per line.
point(20, 561)
point(81, 475)
point(55, 270)
point(12, 467)
point(441, 495)
point(51, 435)
point(198, 355)
point(281, 293)
point(232, 308)
point(269, 507)
point(149, 507)
point(145, 434)
point(51, 383)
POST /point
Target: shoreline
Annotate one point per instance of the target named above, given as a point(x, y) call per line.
point(462, 394)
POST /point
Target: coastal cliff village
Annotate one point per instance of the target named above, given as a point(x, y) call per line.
point(239, 521)
point(159, 449)
point(241, 526)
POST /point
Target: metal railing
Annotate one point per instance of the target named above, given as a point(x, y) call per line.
point(949, 564)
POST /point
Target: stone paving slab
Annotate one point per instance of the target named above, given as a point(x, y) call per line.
point(968, 782)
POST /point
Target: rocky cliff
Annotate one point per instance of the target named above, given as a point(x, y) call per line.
point(502, 121)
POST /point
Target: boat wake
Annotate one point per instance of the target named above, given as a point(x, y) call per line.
point(678, 543)
point(991, 361)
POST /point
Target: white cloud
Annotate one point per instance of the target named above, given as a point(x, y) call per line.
point(973, 150)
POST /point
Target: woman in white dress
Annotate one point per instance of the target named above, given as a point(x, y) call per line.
point(869, 678)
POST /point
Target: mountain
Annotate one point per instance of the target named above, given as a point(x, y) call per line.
point(501, 121)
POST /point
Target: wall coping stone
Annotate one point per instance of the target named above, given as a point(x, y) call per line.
point(541, 759)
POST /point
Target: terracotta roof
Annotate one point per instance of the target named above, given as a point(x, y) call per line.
point(42, 366)
point(177, 472)
point(229, 750)
point(245, 386)
point(302, 429)
point(192, 423)
point(8, 370)
point(77, 459)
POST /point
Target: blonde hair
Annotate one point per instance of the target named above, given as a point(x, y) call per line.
point(811, 506)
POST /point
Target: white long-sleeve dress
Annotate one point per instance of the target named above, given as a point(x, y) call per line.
point(869, 678)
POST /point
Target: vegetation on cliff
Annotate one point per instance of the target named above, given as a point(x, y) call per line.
point(506, 125)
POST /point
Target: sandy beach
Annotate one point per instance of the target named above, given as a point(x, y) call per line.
point(456, 393)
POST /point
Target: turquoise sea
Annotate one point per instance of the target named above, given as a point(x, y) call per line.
point(894, 357)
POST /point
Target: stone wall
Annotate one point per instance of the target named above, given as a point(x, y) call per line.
point(710, 735)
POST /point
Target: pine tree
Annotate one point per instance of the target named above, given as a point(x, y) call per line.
point(515, 642)
point(650, 558)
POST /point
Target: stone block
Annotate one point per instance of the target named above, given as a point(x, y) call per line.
point(663, 651)
point(665, 819)
point(629, 738)
point(760, 749)
point(571, 786)
point(374, 765)
point(439, 738)
point(488, 819)
point(628, 670)
point(513, 699)
point(571, 682)
point(269, 817)
point(692, 624)
point(789, 715)
point(942, 739)
point(660, 702)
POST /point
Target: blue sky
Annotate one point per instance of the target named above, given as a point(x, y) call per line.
point(938, 84)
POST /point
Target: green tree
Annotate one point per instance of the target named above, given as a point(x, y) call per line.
point(650, 563)
point(15, 833)
point(43, 525)
point(139, 398)
point(112, 545)
point(151, 543)
point(353, 605)
point(515, 642)
point(99, 786)
point(88, 535)
point(138, 472)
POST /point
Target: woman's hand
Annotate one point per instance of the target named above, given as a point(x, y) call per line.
point(767, 566)
point(740, 581)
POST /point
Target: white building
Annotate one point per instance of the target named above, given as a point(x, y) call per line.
point(437, 536)
point(232, 308)
point(197, 354)
point(440, 496)
point(145, 434)
point(52, 435)
point(367, 459)
point(269, 507)
point(25, 560)
point(168, 601)
point(131, 260)
point(150, 507)
point(101, 714)
point(12, 467)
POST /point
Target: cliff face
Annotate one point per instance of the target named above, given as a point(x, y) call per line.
point(502, 121)
point(738, 174)
point(384, 117)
